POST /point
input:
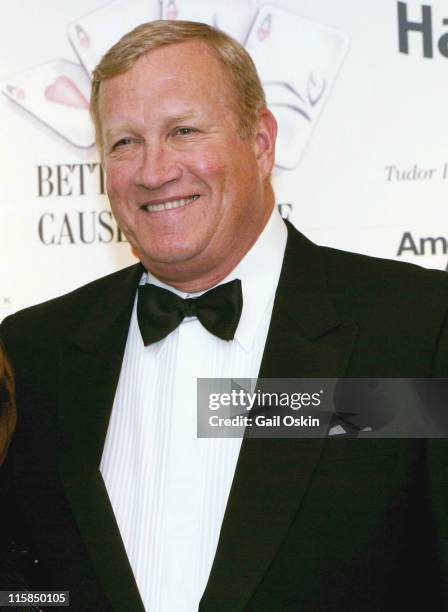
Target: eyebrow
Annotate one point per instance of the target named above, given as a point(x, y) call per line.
point(189, 114)
point(126, 127)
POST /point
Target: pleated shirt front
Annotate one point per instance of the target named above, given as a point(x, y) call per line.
point(168, 488)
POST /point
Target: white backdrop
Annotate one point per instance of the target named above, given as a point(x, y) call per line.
point(362, 159)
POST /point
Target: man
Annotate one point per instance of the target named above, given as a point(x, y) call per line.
point(123, 505)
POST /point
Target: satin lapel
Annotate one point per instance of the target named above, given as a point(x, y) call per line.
point(91, 368)
point(306, 339)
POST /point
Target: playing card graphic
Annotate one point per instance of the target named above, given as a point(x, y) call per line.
point(64, 91)
point(16, 93)
point(231, 16)
point(95, 33)
point(83, 39)
point(57, 93)
point(171, 10)
point(264, 29)
point(298, 61)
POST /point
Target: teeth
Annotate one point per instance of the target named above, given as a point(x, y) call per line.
point(171, 204)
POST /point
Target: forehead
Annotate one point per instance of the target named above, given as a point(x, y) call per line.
point(188, 68)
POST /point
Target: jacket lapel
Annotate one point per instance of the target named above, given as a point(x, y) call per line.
point(90, 372)
point(306, 339)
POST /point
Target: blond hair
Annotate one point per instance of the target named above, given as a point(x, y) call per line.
point(249, 96)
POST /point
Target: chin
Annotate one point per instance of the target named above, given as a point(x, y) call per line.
point(167, 255)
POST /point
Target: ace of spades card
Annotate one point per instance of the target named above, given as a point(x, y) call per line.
point(298, 61)
point(57, 93)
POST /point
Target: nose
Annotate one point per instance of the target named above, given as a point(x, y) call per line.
point(159, 166)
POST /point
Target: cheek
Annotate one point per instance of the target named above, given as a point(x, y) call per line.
point(118, 175)
point(209, 165)
point(118, 193)
point(118, 183)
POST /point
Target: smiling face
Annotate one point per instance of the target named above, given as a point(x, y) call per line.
point(190, 194)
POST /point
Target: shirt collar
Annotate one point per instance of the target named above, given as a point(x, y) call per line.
point(259, 272)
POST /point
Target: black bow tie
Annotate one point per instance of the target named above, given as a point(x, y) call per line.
point(160, 311)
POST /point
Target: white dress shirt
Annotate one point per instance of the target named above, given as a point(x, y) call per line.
point(169, 489)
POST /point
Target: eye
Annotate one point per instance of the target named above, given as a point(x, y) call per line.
point(184, 131)
point(122, 142)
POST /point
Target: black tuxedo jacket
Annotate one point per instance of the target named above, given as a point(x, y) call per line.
point(310, 524)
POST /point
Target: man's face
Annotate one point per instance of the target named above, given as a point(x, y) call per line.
point(190, 194)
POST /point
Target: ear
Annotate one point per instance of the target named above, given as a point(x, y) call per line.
point(264, 142)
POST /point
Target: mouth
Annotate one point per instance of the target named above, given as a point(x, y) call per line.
point(170, 204)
